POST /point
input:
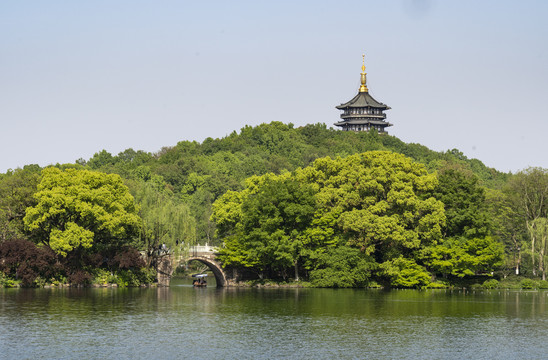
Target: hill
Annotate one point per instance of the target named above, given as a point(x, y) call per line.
point(199, 173)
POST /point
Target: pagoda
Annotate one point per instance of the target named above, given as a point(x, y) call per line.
point(363, 113)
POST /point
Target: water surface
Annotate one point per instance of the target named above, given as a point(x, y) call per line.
point(241, 323)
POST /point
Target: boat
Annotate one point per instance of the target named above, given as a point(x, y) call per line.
point(200, 280)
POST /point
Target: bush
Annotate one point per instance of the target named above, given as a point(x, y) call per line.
point(100, 277)
point(133, 278)
point(79, 277)
point(436, 285)
point(528, 284)
point(23, 260)
point(40, 282)
point(59, 280)
point(491, 284)
point(543, 284)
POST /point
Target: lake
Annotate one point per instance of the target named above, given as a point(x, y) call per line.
point(182, 322)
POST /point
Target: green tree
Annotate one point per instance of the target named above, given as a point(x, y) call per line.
point(275, 221)
point(540, 230)
point(378, 202)
point(78, 209)
point(464, 257)
point(167, 225)
point(266, 225)
point(464, 203)
point(406, 273)
point(342, 267)
point(16, 194)
point(507, 226)
point(528, 194)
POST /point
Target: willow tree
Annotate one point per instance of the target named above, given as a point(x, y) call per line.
point(167, 224)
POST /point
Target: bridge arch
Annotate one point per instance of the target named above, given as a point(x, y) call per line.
point(215, 267)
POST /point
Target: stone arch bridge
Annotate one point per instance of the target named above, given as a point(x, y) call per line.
point(203, 254)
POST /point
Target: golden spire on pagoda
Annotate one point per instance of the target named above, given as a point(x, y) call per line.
point(363, 87)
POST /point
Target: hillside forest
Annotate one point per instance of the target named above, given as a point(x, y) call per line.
point(312, 205)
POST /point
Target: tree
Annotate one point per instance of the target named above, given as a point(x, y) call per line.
point(265, 225)
point(540, 230)
point(528, 193)
point(377, 202)
point(167, 225)
point(342, 267)
point(404, 272)
point(16, 194)
point(464, 257)
point(381, 202)
point(275, 221)
point(507, 226)
point(464, 203)
point(78, 209)
point(23, 260)
point(100, 160)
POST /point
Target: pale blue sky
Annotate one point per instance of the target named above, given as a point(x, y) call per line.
point(77, 77)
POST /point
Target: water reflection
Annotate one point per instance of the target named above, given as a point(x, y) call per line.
point(183, 321)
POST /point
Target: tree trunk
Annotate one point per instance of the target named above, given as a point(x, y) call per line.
point(542, 259)
point(519, 262)
point(296, 270)
point(531, 229)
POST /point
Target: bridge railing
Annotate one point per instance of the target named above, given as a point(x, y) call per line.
point(202, 250)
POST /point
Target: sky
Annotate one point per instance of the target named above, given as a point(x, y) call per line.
point(77, 77)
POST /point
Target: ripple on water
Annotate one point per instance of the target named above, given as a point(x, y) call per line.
point(270, 323)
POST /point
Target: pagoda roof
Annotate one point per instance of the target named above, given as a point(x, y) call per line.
point(363, 99)
point(363, 122)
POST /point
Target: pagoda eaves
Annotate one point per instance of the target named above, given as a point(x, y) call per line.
point(363, 112)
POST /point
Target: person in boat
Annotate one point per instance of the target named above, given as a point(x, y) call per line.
point(200, 280)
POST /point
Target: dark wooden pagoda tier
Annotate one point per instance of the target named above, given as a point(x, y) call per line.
point(363, 113)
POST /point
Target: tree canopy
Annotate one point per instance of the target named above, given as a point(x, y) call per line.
point(80, 209)
point(378, 202)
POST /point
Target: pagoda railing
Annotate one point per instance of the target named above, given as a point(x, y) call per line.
point(364, 116)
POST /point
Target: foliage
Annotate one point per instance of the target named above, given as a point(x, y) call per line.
point(377, 202)
point(464, 202)
point(80, 209)
point(464, 257)
point(79, 278)
point(166, 222)
point(7, 282)
point(528, 284)
point(490, 284)
point(143, 276)
point(528, 195)
point(507, 226)
point(22, 260)
point(380, 202)
point(405, 273)
point(385, 206)
point(16, 194)
point(342, 267)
